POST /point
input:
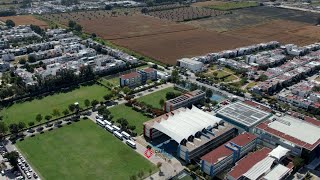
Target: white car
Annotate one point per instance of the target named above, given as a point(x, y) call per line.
point(19, 178)
point(29, 169)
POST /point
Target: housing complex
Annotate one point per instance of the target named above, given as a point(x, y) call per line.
point(138, 78)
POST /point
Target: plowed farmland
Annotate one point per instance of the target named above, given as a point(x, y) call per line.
point(25, 20)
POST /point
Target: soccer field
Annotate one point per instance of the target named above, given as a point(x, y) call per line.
point(27, 111)
point(82, 151)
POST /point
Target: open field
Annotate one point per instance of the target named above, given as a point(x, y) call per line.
point(112, 82)
point(82, 151)
point(282, 31)
point(225, 6)
point(161, 40)
point(120, 26)
point(169, 47)
point(134, 118)
point(154, 98)
point(223, 74)
point(25, 20)
point(27, 111)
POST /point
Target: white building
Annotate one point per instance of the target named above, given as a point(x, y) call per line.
point(190, 64)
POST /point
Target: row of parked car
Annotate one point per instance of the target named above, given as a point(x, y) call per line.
point(25, 167)
point(115, 130)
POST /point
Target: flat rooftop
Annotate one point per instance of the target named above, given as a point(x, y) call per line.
point(300, 132)
point(222, 151)
point(185, 97)
point(243, 113)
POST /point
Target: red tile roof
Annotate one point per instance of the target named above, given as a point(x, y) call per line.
point(130, 75)
point(221, 152)
point(264, 126)
point(247, 162)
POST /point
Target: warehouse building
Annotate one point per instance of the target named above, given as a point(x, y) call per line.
point(243, 116)
point(192, 132)
point(185, 100)
point(227, 154)
point(295, 134)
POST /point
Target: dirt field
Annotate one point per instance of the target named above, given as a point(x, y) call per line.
point(122, 26)
point(25, 20)
point(169, 47)
point(282, 31)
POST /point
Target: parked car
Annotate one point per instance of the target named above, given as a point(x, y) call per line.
point(35, 175)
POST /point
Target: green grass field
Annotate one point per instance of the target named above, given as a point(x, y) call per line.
point(82, 151)
point(112, 82)
point(154, 98)
point(27, 111)
point(232, 5)
point(133, 117)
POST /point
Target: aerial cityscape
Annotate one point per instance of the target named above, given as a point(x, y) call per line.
point(160, 89)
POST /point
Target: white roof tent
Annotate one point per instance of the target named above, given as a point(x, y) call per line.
point(184, 124)
point(279, 152)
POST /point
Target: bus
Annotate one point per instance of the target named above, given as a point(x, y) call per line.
point(131, 143)
point(116, 128)
point(107, 122)
point(125, 135)
point(109, 128)
point(118, 135)
point(101, 123)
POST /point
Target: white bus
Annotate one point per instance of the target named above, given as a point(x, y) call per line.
point(107, 122)
point(125, 135)
point(109, 128)
point(131, 143)
point(118, 135)
point(116, 128)
point(101, 123)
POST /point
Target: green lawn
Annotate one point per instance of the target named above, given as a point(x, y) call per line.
point(82, 151)
point(112, 82)
point(133, 117)
point(232, 5)
point(27, 111)
point(154, 98)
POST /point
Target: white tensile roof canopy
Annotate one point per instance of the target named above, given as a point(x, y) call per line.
point(279, 152)
point(183, 124)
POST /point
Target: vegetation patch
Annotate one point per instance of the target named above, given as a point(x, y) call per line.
point(82, 151)
point(53, 105)
point(134, 118)
point(153, 99)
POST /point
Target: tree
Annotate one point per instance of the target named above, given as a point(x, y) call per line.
point(132, 127)
point(39, 117)
point(3, 129)
point(21, 125)
point(22, 61)
point(263, 77)
point(150, 172)
point(144, 10)
point(93, 35)
point(170, 95)
point(31, 124)
point(65, 112)
point(209, 93)
point(56, 112)
point(133, 177)
point(126, 90)
point(108, 7)
point(161, 102)
point(140, 174)
point(71, 24)
point(13, 128)
point(107, 97)
point(72, 107)
point(298, 162)
point(94, 102)
point(78, 27)
point(10, 23)
point(48, 117)
point(175, 76)
point(149, 81)
point(87, 102)
point(12, 158)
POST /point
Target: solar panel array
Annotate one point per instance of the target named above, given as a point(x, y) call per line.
point(243, 114)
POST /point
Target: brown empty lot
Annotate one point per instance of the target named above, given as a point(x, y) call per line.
point(280, 30)
point(121, 26)
point(169, 47)
point(25, 20)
